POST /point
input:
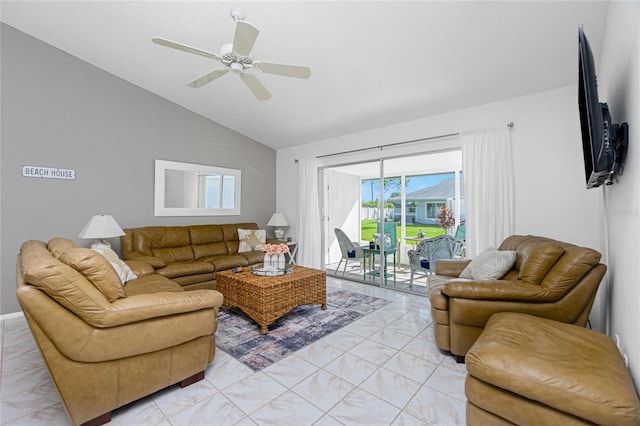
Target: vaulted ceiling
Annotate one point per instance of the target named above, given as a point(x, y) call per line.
point(373, 63)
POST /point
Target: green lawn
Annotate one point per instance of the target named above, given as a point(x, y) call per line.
point(370, 227)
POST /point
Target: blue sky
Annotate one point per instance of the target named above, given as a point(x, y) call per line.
point(415, 183)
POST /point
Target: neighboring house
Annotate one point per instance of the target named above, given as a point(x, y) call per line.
point(424, 203)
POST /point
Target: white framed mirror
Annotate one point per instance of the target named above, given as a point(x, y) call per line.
point(186, 189)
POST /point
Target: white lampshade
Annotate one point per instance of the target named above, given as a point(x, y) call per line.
point(278, 220)
point(101, 227)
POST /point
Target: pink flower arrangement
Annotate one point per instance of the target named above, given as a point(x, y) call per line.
point(275, 248)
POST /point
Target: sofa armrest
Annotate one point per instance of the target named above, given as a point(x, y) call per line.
point(497, 290)
point(140, 268)
point(155, 262)
point(145, 306)
point(80, 341)
point(451, 267)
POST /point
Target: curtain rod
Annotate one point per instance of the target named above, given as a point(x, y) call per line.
point(380, 147)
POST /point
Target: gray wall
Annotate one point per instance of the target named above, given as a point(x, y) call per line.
point(58, 111)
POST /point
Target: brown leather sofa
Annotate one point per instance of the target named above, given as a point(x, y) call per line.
point(189, 255)
point(107, 344)
point(550, 279)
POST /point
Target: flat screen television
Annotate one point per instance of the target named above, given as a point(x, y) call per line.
point(603, 143)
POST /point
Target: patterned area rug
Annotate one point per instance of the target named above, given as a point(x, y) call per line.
point(239, 336)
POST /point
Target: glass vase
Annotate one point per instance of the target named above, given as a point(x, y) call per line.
point(266, 262)
point(281, 261)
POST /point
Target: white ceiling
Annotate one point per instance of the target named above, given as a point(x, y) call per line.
point(372, 63)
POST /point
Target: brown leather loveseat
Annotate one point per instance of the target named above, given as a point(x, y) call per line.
point(107, 344)
point(549, 279)
point(189, 255)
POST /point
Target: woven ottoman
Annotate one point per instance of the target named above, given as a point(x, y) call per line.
point(528, 370)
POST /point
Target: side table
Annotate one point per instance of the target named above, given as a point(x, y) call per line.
point(383, 262)
point(293, 249)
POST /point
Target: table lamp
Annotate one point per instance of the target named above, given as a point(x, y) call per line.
point(101, 227)
point(278, 220)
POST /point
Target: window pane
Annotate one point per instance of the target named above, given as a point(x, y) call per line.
point(212, 197)
point(228, 194)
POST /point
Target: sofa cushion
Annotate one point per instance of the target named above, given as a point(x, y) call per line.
point(205, 234)
point(570, 268)
point(173, 254)
point(180, 269)
point(222, 263)
point(230, 231)
point(491, 264)
point(536, 259)
point(122, 269)
point(207, 250)
point(146, 239)
point(199, 281)
point(253, 257)
point(153, 283)
point(58, 245)
point(251, 239)
point(232, 247)
point(94, 267)
point(63, 283)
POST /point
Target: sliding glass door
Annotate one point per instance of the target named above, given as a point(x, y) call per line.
point(384, 208)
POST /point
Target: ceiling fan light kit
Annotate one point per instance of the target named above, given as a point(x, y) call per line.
point(237, 57)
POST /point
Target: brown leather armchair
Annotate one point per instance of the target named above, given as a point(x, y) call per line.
point(550, 279)
point(107, 344)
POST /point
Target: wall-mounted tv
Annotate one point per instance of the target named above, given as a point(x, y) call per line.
point(604, 144)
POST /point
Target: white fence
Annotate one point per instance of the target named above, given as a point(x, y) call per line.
point(372, 213)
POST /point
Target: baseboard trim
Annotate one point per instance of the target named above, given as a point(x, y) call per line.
point(13, 315)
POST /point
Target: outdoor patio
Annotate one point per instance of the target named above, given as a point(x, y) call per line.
point(400, 280)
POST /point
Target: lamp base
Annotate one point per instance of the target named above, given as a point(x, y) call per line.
point(278, 233)
point(100, 244)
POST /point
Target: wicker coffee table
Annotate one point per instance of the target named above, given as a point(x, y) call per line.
point(265, 299)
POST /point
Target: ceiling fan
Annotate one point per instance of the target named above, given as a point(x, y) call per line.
point(237, 58)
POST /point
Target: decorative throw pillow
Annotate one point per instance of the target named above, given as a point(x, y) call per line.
point(491, 264)
point(251, 239)
point(122, 269)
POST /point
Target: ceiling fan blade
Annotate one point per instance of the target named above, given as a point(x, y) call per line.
point(245, 37)
point(283, 69)
point(207, 78)
point(185, 48)
point(255, 86)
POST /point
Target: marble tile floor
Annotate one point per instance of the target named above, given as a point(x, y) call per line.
point(383, 369)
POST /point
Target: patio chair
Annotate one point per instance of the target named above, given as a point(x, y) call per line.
point(461, 234)
point(390, 239)
point(423, 258)
point(350, 250)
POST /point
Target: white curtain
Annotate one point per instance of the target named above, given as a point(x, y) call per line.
point(488, 188)
point(309, 224)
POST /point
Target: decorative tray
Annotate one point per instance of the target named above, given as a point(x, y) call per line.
point(270, 271)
